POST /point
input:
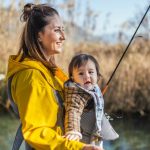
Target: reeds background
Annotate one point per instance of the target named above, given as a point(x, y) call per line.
point(129, 90)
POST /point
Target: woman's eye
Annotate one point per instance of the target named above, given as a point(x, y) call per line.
point(57, 30)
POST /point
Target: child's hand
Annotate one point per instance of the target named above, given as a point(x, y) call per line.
point(73, 135)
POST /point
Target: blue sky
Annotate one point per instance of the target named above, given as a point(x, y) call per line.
point(111, 13)
point(120, 11)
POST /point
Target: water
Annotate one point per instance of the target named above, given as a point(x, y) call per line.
point(134, 133)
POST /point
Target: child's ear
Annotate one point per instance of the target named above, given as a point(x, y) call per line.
point(71, 78)
point(98, 77)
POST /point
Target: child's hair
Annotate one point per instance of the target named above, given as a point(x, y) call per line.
point(80, 59)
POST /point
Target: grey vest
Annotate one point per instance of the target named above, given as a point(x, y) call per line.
point(94, 122)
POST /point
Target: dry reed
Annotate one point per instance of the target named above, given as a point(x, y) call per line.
point(129, 90)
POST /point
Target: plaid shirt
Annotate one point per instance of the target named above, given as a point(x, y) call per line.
point(76, 98)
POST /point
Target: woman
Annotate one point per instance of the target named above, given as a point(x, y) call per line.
point(36, 79)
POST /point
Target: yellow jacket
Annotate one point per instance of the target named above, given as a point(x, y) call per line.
point(32, 90)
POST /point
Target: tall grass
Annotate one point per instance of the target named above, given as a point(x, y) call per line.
point(129, 90)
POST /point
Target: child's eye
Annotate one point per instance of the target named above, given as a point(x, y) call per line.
point(81, 73)
point(91, 72)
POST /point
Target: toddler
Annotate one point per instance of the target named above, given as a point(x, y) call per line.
point(84, 104)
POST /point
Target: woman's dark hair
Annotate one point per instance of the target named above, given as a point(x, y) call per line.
point(36, 19)
point(80, 59)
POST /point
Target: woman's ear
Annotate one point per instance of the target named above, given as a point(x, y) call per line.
point(39, 36)
point(39, 39)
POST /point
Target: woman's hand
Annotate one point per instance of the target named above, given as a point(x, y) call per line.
point(91, 147)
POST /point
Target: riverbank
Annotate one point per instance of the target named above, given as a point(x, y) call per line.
point(133, 131)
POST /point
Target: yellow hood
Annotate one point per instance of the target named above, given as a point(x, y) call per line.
point(14, 66)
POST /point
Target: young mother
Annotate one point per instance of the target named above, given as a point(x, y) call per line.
point(36, 86)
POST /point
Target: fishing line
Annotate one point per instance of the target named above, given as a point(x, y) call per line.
point(112, 75)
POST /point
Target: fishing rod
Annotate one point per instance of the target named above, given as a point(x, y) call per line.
point(107, 84)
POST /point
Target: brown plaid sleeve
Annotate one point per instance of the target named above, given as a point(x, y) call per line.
point(75, 101)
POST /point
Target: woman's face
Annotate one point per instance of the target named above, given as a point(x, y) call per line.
point(52, 36)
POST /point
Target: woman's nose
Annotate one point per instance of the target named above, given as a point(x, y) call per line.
point(62, 35)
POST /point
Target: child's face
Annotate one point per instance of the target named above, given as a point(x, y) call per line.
point(86, 75)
